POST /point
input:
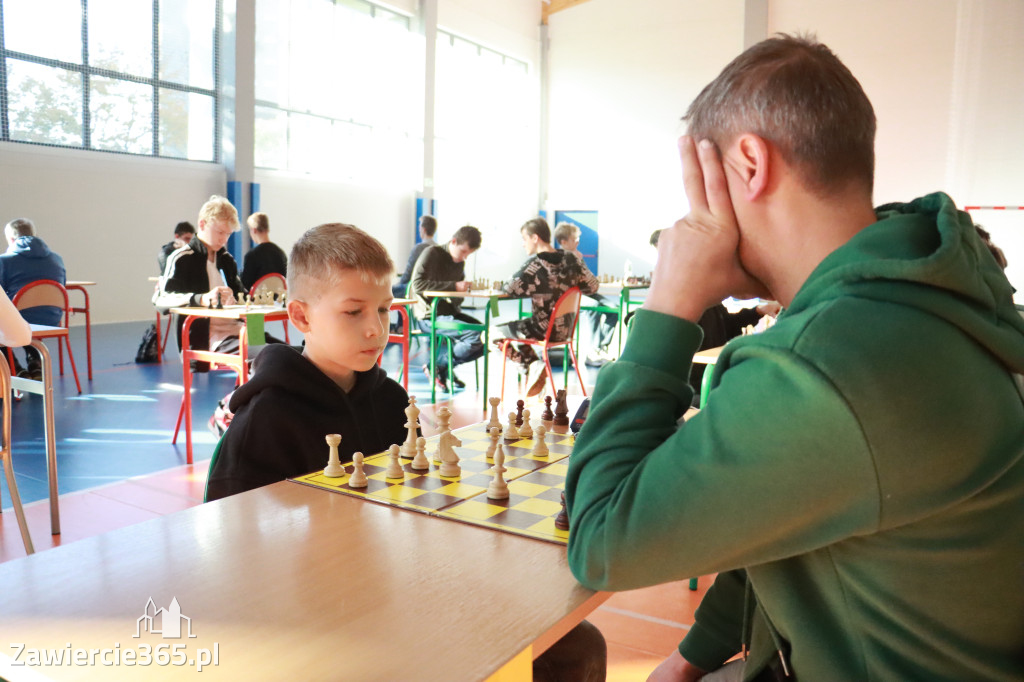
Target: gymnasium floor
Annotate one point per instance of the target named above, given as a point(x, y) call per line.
point(117, 467)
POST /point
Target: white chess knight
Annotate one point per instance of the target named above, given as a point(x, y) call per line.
point(449, 458)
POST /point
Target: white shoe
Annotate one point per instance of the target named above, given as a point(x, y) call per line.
point(597, 358)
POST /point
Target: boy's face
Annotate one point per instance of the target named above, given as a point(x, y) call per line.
point(346, 329)
point(530, 242)
point(215, 233)
point(570, 244)
point(459, 252)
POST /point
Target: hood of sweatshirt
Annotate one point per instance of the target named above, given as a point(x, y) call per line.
point(284, 368)
point(916, 255)
point(31, 247)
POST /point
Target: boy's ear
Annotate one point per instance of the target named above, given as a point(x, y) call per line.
point(297, 315)
point(750, 158)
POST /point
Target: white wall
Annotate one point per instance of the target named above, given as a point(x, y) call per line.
point(622, 75)
point(946, 78)
point(105, 214)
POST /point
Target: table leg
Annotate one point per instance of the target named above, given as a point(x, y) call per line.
point(487, 348)
point(49, 430)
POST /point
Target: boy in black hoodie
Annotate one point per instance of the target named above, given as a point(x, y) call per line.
point(339, 295)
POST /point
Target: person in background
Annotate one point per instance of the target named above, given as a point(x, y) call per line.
point(543, 278)
point(857, 463)
point(427, 229)
point(602, 324)
point(29, 259)
point(443, 268)
point(183, 233)
point(266, 257)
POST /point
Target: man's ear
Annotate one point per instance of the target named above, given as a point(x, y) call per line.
point(750, 158)
point(297, 314)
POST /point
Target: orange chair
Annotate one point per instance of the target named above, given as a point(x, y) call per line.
point(567, 304)
point(51, 293)
point(276, 283)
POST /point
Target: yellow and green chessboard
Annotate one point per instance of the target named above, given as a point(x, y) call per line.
point(535, 484)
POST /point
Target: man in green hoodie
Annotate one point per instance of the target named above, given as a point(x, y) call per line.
point(857, 476)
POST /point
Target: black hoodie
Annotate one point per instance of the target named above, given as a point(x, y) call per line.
point(283, 412)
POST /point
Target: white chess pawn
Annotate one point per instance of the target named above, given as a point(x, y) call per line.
point(420, 461)
point(526, 431)
point(511, 432)
point(540, 447)
point(394, 469)
point(495, 434)
point(358, 477)
point(334, 468)
point(497, 489)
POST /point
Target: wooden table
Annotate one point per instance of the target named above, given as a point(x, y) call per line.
point(238, 362)
point(289, 582)
point(78, 285)
point(44, 387)
point(398, 305)
point(492, 297)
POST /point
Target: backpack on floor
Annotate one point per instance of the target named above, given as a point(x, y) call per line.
point(149, 349)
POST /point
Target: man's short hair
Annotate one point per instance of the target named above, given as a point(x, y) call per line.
point(20, 227)
point(428, 224)
point(996, 252)
point(469, 235)
point(258, 222)
point(565, 231)
point(324, 252)
point(655, 236)
point(183, 228)
point(539, 227)
point(795, 93)
point(216, 209)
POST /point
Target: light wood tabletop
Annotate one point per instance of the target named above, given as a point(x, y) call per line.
point(291, 582)
point(708, 356)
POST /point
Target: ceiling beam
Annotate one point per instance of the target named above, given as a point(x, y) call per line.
point(549, 7)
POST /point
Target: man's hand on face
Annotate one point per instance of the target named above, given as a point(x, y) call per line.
point(698, 261)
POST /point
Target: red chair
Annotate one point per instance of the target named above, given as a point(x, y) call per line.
point(276, 283)
point(51, 293)
point(567, 304)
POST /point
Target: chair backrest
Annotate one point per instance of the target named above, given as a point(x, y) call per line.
point(43, 292)
point(272, 282)
point(567, 304)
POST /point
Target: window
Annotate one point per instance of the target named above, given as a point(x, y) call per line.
point(129, 77)
point(339, 91)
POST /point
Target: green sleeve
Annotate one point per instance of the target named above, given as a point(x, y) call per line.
point(717, 632)
point(775, 465)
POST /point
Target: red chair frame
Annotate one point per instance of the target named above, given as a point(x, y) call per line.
point(569, 302)
point(29, 296)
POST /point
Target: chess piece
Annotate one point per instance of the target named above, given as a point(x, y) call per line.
point(562, 520)
point(526, 431)
point(494, 422)
point(420, 461)
point(540, 446)
point(495, 434)
point(519, 412)
point(444, 415)
point(497, 489)
point(511, 432)
point(449, 458)
point(547, 416)
point(334, 468)
point(394, 469)
point(412, 423)
point(561, 410)
point(358, 477)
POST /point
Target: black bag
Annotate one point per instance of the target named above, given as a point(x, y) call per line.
point(149, 349)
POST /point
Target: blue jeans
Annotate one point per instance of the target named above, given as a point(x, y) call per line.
point(466, 346)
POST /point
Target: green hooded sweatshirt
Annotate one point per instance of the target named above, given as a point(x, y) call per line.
point(862, 460)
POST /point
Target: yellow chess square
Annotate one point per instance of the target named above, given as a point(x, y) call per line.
point(478, 445)
point(457, 489)
point(557, 469)
point(540, 507)
point(397, 493)
point(472, 509)
point(526, 488)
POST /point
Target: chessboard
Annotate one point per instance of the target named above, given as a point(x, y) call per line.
point(535, 484)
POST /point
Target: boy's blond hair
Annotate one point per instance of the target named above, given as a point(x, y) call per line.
point(218, 208)
point(259, 222)
point(565, 231)
point(325, 251)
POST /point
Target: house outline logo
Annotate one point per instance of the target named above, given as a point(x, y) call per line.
point(170, 620)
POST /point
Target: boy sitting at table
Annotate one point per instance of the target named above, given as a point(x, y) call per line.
point(339, 295)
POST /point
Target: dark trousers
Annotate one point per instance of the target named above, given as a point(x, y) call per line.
point(602, 325)
point(466, 346)
point(580, 656)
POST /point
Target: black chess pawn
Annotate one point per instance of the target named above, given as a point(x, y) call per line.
point(547, 415)
point(562, 520)
point(519, 412)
